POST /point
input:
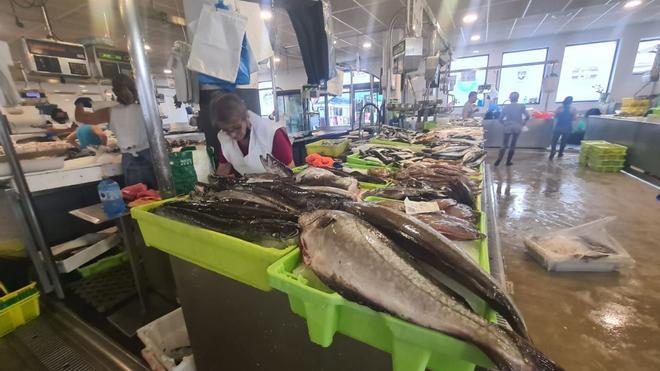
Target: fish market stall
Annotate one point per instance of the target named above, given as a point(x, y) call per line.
point(538, 136)
point(246, 254)
point(640, 135)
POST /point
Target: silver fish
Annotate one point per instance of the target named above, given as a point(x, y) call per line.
point(353, 258)
point(315, 176)
point(274, 166)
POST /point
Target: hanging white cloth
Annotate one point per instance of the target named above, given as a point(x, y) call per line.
point(260, 144)
point(185, 80)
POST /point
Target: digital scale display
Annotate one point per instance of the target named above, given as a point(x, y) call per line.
point(112, 55)
point(55, 49)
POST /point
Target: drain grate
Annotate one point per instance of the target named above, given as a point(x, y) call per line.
point(49, 348)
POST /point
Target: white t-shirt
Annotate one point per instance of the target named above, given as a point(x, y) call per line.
point(128, 125)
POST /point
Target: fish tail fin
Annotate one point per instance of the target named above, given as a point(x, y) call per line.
point(533, 357)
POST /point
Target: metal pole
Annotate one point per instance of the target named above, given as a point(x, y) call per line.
point(351, 99)
point(28, 205)
point(272, 80)
point(131, 19)
point(49, 27)
point(327, 112)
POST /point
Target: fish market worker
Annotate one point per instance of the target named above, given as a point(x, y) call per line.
point(245, 137)
point(127, 123)
point(470, 108)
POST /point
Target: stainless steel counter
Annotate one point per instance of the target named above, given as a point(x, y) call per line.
point(641, 137)
point(539, 134)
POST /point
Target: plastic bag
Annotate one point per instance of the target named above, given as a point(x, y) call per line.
point(218, 43)
point(183, 171)
point(585, 248)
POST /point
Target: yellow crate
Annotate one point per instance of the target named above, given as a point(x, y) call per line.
point(18, 307)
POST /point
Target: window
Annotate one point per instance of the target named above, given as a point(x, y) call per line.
point(467, 79)
point(266, 98)
point(526, 80)
point(585, 69)
point(359, 77)
point(645, 55)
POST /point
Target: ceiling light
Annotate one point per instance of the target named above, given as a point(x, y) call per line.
point(266, 14)
point(167, 71)
point(632, 3)
point(147, 47)
point(334, 42)
point(470, 18)
point(366, 45)
point(276, 59)
point(476, 37)
point(81, 86)
point(475, 51)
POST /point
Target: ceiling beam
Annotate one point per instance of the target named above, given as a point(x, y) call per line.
point(540, 23)
point(569, 20)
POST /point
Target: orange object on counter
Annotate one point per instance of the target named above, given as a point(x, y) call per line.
point(317, 160)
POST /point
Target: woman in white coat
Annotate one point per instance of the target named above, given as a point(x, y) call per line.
point(245, 137)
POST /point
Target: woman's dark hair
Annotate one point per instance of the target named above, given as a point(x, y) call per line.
point(227, 109)
point(124, 88)
point(568, 100)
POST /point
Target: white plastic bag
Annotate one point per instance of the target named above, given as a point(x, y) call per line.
point(257, 33)
point(216, 48)
point(585, 248)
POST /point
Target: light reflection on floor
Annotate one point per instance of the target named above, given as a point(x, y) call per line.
point(584, 321)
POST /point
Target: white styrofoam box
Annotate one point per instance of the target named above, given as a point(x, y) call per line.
point(164, 335)
point(34, 165)
point(85, 255)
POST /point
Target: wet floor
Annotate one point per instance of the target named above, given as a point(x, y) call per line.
point(583, 321)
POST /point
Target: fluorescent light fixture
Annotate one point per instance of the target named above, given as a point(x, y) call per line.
point(475, 51)
point(366, 44)
point(334, 42)
point(476, 37)
point(266, 14)
point(276, 59)
point(81, 86)
point(147, 47)
point(167, 71)
point(632, 3)
point(470, 18)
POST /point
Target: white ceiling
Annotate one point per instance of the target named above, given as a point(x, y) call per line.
point(354, 22)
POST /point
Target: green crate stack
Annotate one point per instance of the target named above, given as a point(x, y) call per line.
point(607, 157)
point(585, 146)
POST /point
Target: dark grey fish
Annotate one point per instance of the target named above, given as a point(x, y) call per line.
point(401, 193)
point(273, 233)
point(362, 264)
point(430, 246)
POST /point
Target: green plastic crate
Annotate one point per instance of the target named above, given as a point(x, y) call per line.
point(606, 169)
point(413, 348)
point(229, 256)
point(18, 307)
point(355, 159)
point(597, 162)
point(328, 147)
point(103, 265)
point(585, 147)
point(607, 149)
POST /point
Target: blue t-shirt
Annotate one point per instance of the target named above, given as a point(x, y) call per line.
point(86, 136)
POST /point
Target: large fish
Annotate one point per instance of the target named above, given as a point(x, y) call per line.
point(315, 176)
point(401, 193)
point(454, 228)
point(362, 264)
point(274, 166)
point(273, 233)
point(430, 246)
point(233, 209)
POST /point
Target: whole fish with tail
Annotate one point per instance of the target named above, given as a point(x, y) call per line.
point(428, 245)
point(361, 263)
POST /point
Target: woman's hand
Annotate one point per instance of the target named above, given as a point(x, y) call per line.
point(224, 169)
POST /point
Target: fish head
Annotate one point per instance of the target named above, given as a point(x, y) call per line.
point(274, 166)
point(312, 223)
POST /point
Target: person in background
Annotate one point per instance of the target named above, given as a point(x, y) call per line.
point(564, 116)
point(127, 123)
point(61, 126)
point(87, 135)
point(469, 108)
point(514, 116)
point(245, 136)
